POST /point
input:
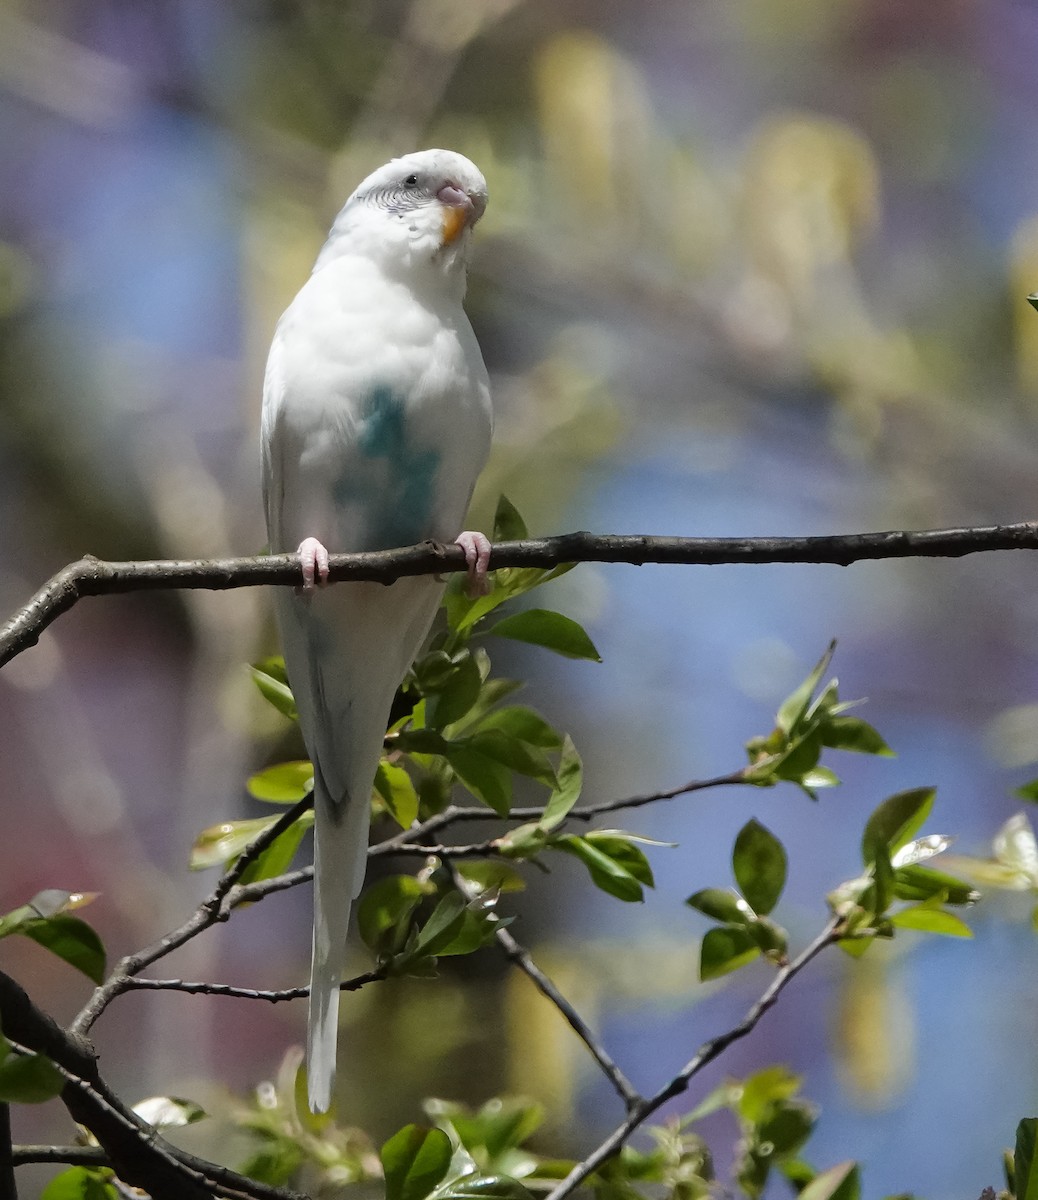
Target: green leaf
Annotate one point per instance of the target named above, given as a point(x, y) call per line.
point(725, 948)
point(932, 920)
point(486, 778)
point(285, 783)
point(606, 873)
point(524, 724)
point(759, 864)
point(763, 1089)
point(397, 790)
point(894, 823)
point(622, 848)
point(570, 776)
point(277, 857)
point(1025, 1160)
point(842, 1182)
point(721, 905)
point(509, 526)
point(441, 928)
point(915, 882)
point(80, 1183)
point(385, 909)
point(489, 876)
point(474, 1186)
point(456, 695)
point(852, 733)
point(552, 630)
point(70, 939)
point(28, 1079)
point(793, 709)
point(269, 676)
point(221, 843)
point(786, 1127)
point(415, 1160)
point(520, 756)
point(1028, 791)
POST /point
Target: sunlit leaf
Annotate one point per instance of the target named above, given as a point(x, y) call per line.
point(284, 783)
point(721, 905)
point(220, 843)
point(278, 856)
point(80, 1183)
point(932, 920)
point(269, 676)
point(488, 876)
point(761, 1090)
point(921, 849)
point(169, 1112)
point(793, 708)
point(484, 1187)
point(395, 786)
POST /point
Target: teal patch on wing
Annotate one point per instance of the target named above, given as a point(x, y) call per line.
point(396, 474)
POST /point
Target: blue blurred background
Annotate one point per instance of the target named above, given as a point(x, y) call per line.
point(747, 268)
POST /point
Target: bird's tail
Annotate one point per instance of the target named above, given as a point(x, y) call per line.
point(340, 854)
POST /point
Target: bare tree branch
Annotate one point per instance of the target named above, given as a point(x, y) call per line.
point(216, 907)
point(706, 1054)
point(137, 1153)
point(94, 577)
point(521, 958)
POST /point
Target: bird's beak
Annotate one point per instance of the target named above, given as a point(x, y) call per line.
point(460, 210)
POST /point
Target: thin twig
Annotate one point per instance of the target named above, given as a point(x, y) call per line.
point(72, 1156)
point(706, 1054)
point(522, 959)
point(142, 984)
point(216, 907)
point(94, 577)
point(8, 1187)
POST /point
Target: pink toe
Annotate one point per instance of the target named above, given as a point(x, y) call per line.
point(313, 560)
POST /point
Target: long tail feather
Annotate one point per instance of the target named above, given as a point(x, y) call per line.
point(338, 876)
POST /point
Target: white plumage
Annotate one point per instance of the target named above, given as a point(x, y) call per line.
point(376, 422)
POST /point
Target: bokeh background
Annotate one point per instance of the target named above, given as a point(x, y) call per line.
point(747, 268)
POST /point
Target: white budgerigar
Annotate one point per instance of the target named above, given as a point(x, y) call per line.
point(376, 422)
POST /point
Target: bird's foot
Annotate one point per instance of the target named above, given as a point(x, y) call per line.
point(477, 558)
point(313, 559)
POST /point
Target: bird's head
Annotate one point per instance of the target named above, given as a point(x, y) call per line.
point(417, 210)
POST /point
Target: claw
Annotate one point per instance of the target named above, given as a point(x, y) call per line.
point(477, 557)
point(313, 559)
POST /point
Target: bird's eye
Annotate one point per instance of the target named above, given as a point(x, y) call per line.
point(411, 181)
